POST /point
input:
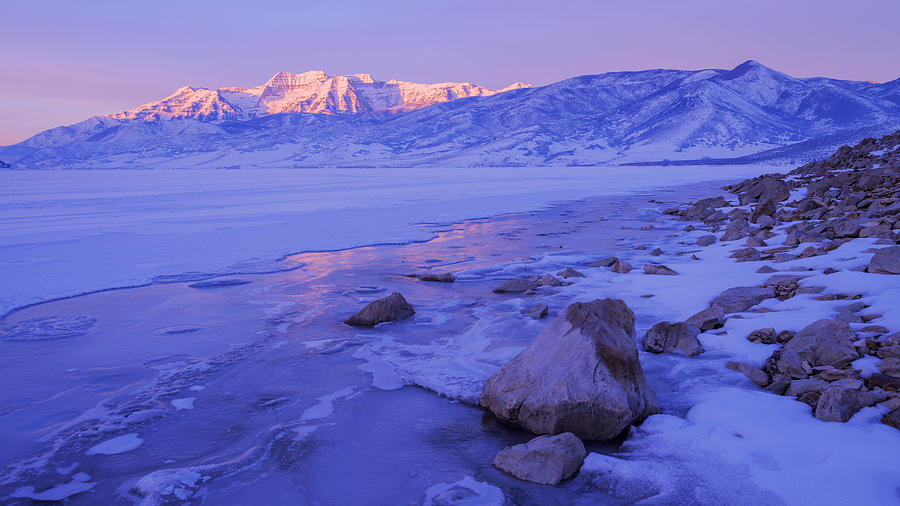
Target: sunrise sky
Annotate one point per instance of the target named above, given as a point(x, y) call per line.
point(64, 61)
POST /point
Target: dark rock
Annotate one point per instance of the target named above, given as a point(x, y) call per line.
point(391, 308)
point(658, 269)
point(445, 277)
point(581, 375)
point(708, 319)
point(656, 252)
point(545, 459)
point(799, 387)
point(538, 311)
point(515, 285)
point(665, 337)
point(766, 188)
point(742, 298)
point(766, 208)
point(621, 267)
point(548, 280)
point(838, 403)
point(764, 336)
point(746, 255)
point(570, 273)
point(885, 261)
point(605, 262)
point(892, 419)
point(706, 240)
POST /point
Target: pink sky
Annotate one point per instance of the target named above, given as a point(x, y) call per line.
point(64, 61)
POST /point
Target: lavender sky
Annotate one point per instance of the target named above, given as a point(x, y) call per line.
point(63, 61)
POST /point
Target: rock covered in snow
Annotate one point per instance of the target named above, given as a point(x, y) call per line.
point(581, 375)
point(545, 459)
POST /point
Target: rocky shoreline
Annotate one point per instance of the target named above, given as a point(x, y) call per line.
point(581, 378)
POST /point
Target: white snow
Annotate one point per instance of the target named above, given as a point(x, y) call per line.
point(116, 445)
point(183, 403)
point(57, 492)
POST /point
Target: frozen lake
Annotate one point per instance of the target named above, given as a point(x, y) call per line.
point(64, 233)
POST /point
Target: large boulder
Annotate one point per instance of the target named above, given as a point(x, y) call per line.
point(545, 459)
point(391, 308)
point(742, 298)
point(885, 261)
point(766, 188)
point(581, 375)
point(821, 343)
point(665, 337)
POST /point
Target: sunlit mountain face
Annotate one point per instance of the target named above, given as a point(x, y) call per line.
point(315, 119)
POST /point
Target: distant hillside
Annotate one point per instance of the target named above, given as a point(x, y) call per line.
point(748, 114)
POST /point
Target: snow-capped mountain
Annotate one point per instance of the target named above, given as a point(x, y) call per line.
point(312, 119)
point(309, 92)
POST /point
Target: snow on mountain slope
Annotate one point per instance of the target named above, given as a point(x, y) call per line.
point(313, 119)
point(310, 92)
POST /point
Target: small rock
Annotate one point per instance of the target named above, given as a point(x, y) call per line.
point(765, 269)
point(605, 262)
point(838, 403)
point(764, 336)
point(665, 337)
point(742, 298)
point(799, 387)
point(784, 336)
point(658, 269)
point(885, 261)
point(545, 459)
point(757, 376)
point(516, 285)
point(647, 227)
point(439, 278)
point(548, 280)
point(621, 267)
point(890, 366)
point(746, 255)
point(708, 319)
point(538, 311)
point(656, 252)
point(892, 419)
point(706, 240)
point(391, 308)
point(829, 373)
point(570, 273)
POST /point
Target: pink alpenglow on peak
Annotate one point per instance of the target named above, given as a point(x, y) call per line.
point(307, 92)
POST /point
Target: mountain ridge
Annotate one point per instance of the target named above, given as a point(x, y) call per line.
point(611, 118)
